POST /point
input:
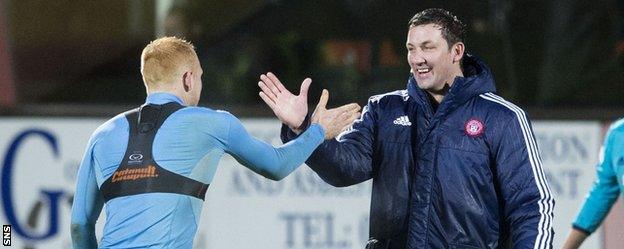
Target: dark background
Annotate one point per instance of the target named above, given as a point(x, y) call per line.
point(561, 59)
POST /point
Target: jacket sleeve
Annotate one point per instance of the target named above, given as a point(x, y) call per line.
point(604, 191)
point(346, 160)
point(526, 199)
point(87, 204)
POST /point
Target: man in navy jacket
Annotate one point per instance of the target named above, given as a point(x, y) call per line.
point(453, 164)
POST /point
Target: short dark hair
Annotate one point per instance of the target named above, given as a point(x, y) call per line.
point(452, 28)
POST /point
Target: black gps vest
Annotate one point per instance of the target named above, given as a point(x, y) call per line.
point(138, 173)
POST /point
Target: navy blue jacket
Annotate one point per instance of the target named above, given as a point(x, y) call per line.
point(467, 175)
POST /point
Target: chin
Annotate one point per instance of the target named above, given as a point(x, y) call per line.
point(423, 85)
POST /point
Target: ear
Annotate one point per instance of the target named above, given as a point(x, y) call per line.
point(458, 51)
point(187, 81)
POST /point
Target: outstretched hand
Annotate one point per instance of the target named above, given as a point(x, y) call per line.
point(289, 108)
point(334, 120)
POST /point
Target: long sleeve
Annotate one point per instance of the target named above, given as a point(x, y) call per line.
point(87, 204)
point(603, 193)
point(266, 160)
point(527, 202)
point(346, 160)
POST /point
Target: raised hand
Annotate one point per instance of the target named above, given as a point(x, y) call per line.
point(334, 120)
point(289, 108)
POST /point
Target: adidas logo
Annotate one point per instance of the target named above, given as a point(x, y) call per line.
point(402, 120)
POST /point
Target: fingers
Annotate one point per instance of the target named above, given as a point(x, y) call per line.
point(356, 115)
point(353, 117)
point(305, 85)
point(323, 100)
point(278, 84)
point(347, 108)
point(320, 107)
point(348, 121)
point(347, 118)
point(267, 92)
point(268, 101)
point(339, 123)
point(271, 85)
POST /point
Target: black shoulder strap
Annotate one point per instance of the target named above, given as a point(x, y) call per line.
point(138, 173)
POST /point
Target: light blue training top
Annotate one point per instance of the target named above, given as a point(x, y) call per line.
point(190, 143)
point(609, 182)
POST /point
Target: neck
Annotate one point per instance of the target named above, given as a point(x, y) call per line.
point(438, 95)
point(176, 93)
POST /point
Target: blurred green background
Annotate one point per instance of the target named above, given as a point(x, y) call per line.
point(563, 55)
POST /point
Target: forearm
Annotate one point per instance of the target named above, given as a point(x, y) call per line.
point(595, 209)
point(347, 159)
point(87, 205)
point(83, 235)
point(277, 163)
point(532, 228)
point(529, 212)
point(599, 201)
point(529, 205)
point(339, 164)
point(85, 210)
point(575, 239)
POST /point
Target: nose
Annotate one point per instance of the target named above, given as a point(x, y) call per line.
point(415, 57)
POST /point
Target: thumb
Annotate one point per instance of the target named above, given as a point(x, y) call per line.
point(305, 85)
point(323, 100)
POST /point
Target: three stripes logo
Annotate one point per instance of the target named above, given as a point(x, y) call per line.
point(402, 120)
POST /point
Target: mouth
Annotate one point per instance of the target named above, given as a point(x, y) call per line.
point(423, 72)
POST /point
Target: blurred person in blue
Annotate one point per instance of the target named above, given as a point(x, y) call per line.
point(151, 166)
point(608, 186)
point(453, 164)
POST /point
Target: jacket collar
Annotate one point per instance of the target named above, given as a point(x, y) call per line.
point(160, 98)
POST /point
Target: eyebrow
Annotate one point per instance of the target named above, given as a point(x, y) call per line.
point(427, 42)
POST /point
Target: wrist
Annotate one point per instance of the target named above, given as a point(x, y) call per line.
point(304, 125)
point(317, 128)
